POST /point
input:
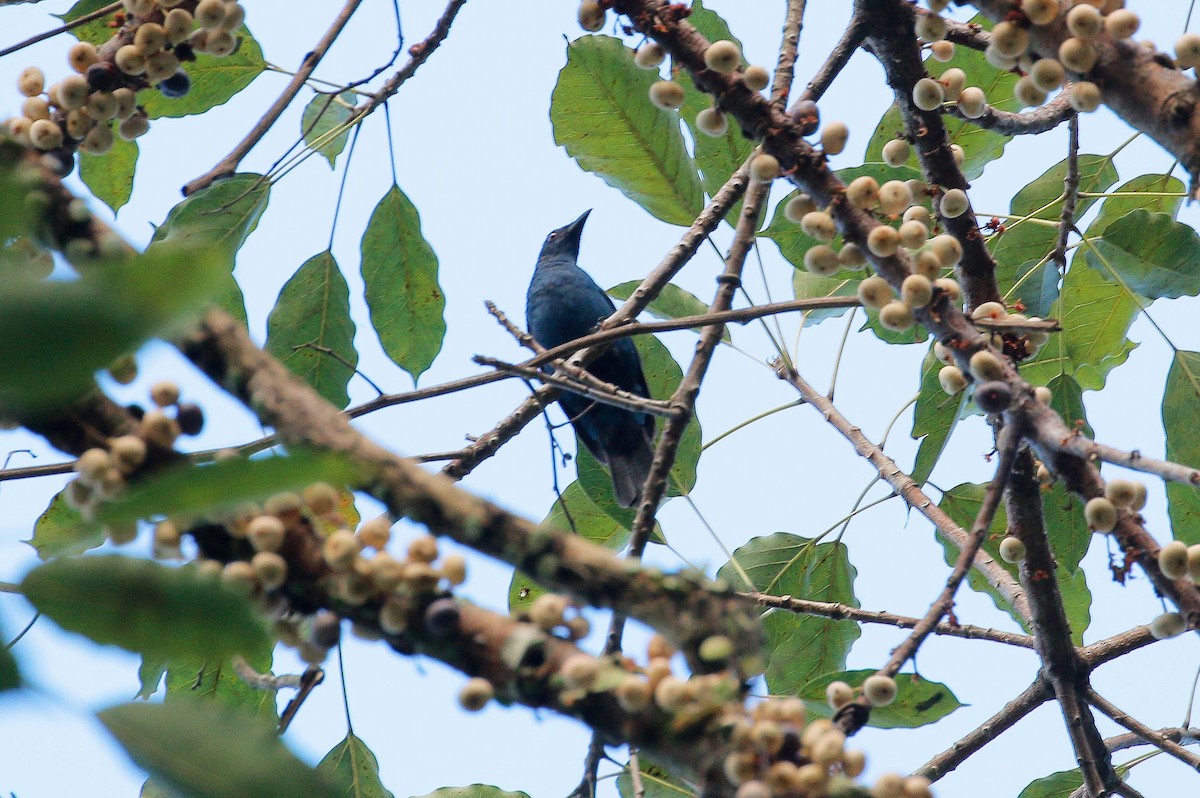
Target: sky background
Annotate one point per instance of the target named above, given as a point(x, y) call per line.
point(475, 153)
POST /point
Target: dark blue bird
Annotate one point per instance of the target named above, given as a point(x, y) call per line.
point(563, 304)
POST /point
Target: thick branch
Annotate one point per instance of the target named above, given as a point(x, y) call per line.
point(1038, 120)
point(1143, 731)
point(907, 489)
point(1061, 664)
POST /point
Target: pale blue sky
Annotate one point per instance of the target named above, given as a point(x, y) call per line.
point(475, 153)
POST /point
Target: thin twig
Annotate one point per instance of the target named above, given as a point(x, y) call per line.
point(602, 392)
point(785, 66)
point(827, 609)
point(1140, 729)
point(1030, 699)
point(75, 23)
point(838, 57)
point(1070, 195)
point(229, 164)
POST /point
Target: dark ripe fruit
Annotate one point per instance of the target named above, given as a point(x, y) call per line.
point(326, 629)
point(184, 51)
point(102, 76)
point(806, 116)
point(442, 617)
point(190, 418)
point(993, 396)
point(176, 86)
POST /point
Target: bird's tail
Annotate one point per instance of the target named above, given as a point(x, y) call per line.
point(629, 471)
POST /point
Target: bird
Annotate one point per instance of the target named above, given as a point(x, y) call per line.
point(563, 303)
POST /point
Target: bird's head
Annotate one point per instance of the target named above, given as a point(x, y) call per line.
point(564, 242)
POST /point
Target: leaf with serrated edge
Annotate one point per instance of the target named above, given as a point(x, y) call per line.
point(603, 117)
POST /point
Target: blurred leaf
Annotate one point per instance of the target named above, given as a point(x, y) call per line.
point(110, 176)
point(400, 271)
point(60, 529)
point(1180, 409)
point(1069, 540)
point(188, 489)
point(206, 751)
point(353, 770)
point(934, 418)
point(919, 702)
point(150, 675)
point(144, 607)
point(590, 522)
point(980, 146)
point(216, 680)
point(663, 376)
point(214, 80)
point(57, 334)
point(657, 782)
point(473, 791)
point(219, 219)
point(10, 676)
point(672, 303)
point(1095, 316)
point(1151, 253)
point(323, 114)
point(23, 259)
point(1025, 245)
point(313, 310)
point(717, 157)
point(603, 117)
point(802, 647)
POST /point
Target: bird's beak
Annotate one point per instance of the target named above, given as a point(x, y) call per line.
point(575, 228)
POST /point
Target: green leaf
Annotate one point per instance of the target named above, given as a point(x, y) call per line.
point(802, 647)
point(1151, 253)
point(219, 219)
point(144, 607)
point(603, 117)
point(400, 271)
point(97, 31)
point(323, 114)
point(590, 522)
point(934, 418)
point(214, 81)
point(313, 310)
point(1153, 193)
point(60, 529)
point(188, 489)
point(657, 782)
point(1180, 409)
point(474, 791)
point(663, 376)
point(23, 259)
point(216, 680)
point(1062, 784)
point(672, 303)
point(919, 701)
point(150, 675)
point(980, 146)
point(110, 176)
point(1067, 400)
point(1069, 539)
point(10, 676)
point(207, 751)
point(1025, 244)
point(717, 157)
point(1095, 316)
point(353, 769)
point(58, 333)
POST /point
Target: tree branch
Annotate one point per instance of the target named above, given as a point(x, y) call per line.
point(229, 164)
point(1148, 735)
